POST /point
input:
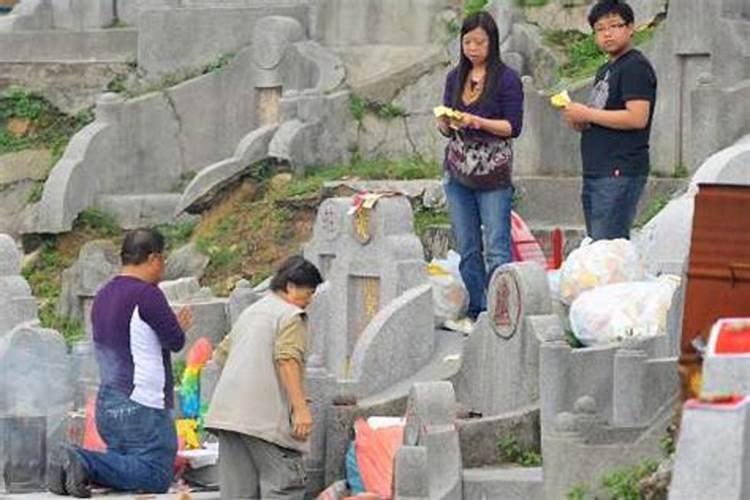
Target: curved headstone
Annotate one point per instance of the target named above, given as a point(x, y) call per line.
point(399, 341)
point(500, 368)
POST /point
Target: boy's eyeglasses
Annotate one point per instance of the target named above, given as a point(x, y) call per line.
point(612, 27)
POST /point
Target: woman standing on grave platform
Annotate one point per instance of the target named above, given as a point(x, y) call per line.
point(488, 97)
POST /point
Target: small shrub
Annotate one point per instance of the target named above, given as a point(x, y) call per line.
point(474, 6)
point(514, 453)
point(101, 223)
point(622, 484)
point(177, 234)
point(35, 194)
point(652, 209)
point(578, 492)
point(357, 107)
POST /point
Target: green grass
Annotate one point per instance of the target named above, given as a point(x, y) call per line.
point(622, 484)
point(119, 84)
point(425, 217)
point(359, 106)
point(177, 234)
point(652, 209)
point(532, 3)
point(45, 283)
point(406, 169)
point(473, 6)
point(49, 128)
point(101, 223)
point(578, 492)
point(513, 452)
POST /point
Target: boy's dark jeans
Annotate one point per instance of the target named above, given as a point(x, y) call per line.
point(609, 205)
point(141, 445)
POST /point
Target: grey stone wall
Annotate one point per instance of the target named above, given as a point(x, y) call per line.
point(370, 22)
point(111, 45)
point(174, 39)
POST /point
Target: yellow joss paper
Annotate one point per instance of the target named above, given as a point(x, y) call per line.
point(560, 100)
point(187, 429)
point(447, 112)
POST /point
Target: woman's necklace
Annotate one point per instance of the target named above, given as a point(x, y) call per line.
point(474, 87)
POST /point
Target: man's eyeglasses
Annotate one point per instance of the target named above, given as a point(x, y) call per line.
point(611, 27)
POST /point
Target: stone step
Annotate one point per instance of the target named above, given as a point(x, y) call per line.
point(503, 483)
point(139, 210)
point(541, 201)
point(438, 239)
point(556, 201)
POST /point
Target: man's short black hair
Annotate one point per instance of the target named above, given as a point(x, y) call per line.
point(298, 271)
point(139, 244)
point(604, 8)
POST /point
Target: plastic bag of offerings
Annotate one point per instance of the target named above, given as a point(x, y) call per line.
point(602, 262)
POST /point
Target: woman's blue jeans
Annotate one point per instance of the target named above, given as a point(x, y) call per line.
point(141, 445)
point(472, 210)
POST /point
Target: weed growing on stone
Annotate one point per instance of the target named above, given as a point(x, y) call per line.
point(512, 452)
point(177, 234)
point(578, 492)
point(27, 121)
point(532, 3)
point(473, 6)
point(44, 278)
point(359, 106)
point(425, 217)
point(622, 484)
point(652, 209)
point(100, 222)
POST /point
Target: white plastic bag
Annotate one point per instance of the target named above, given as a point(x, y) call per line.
point(603, 262)
point(449, 294)
point(612, 313)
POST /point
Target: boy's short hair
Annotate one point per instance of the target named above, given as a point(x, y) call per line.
point(297, 270)
point(604, 8)
point(139, 244)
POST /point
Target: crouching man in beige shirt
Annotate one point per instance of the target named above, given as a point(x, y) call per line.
point(259, 409)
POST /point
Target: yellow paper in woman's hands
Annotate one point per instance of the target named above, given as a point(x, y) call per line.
point(455, 118)
point(560, 100)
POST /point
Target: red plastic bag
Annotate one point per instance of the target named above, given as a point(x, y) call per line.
point(524, 246)
point(376, 451)
point(91, 438)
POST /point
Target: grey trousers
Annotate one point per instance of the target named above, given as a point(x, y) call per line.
point(251, 468)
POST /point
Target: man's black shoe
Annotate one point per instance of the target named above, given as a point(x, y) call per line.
point(55, 477)
point(76, 477)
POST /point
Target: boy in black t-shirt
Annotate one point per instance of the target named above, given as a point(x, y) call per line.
point(615, 125)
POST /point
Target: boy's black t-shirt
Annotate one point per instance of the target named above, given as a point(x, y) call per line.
point(606, 151)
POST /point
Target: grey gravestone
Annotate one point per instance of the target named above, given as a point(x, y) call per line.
point(240, 299)
point(17, 305)
point(712, 459)
point(98, 261)
point(185, 262)
point(430, 424)
point(500, 369)
point(369, 258)
point(396, 344)
point(23, 453)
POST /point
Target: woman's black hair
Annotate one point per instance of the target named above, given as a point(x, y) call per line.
point(494, 63)
point(139, 244)
point(298, 271)
point(604, 8)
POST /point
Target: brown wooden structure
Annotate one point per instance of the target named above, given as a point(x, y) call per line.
point(718, 279)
